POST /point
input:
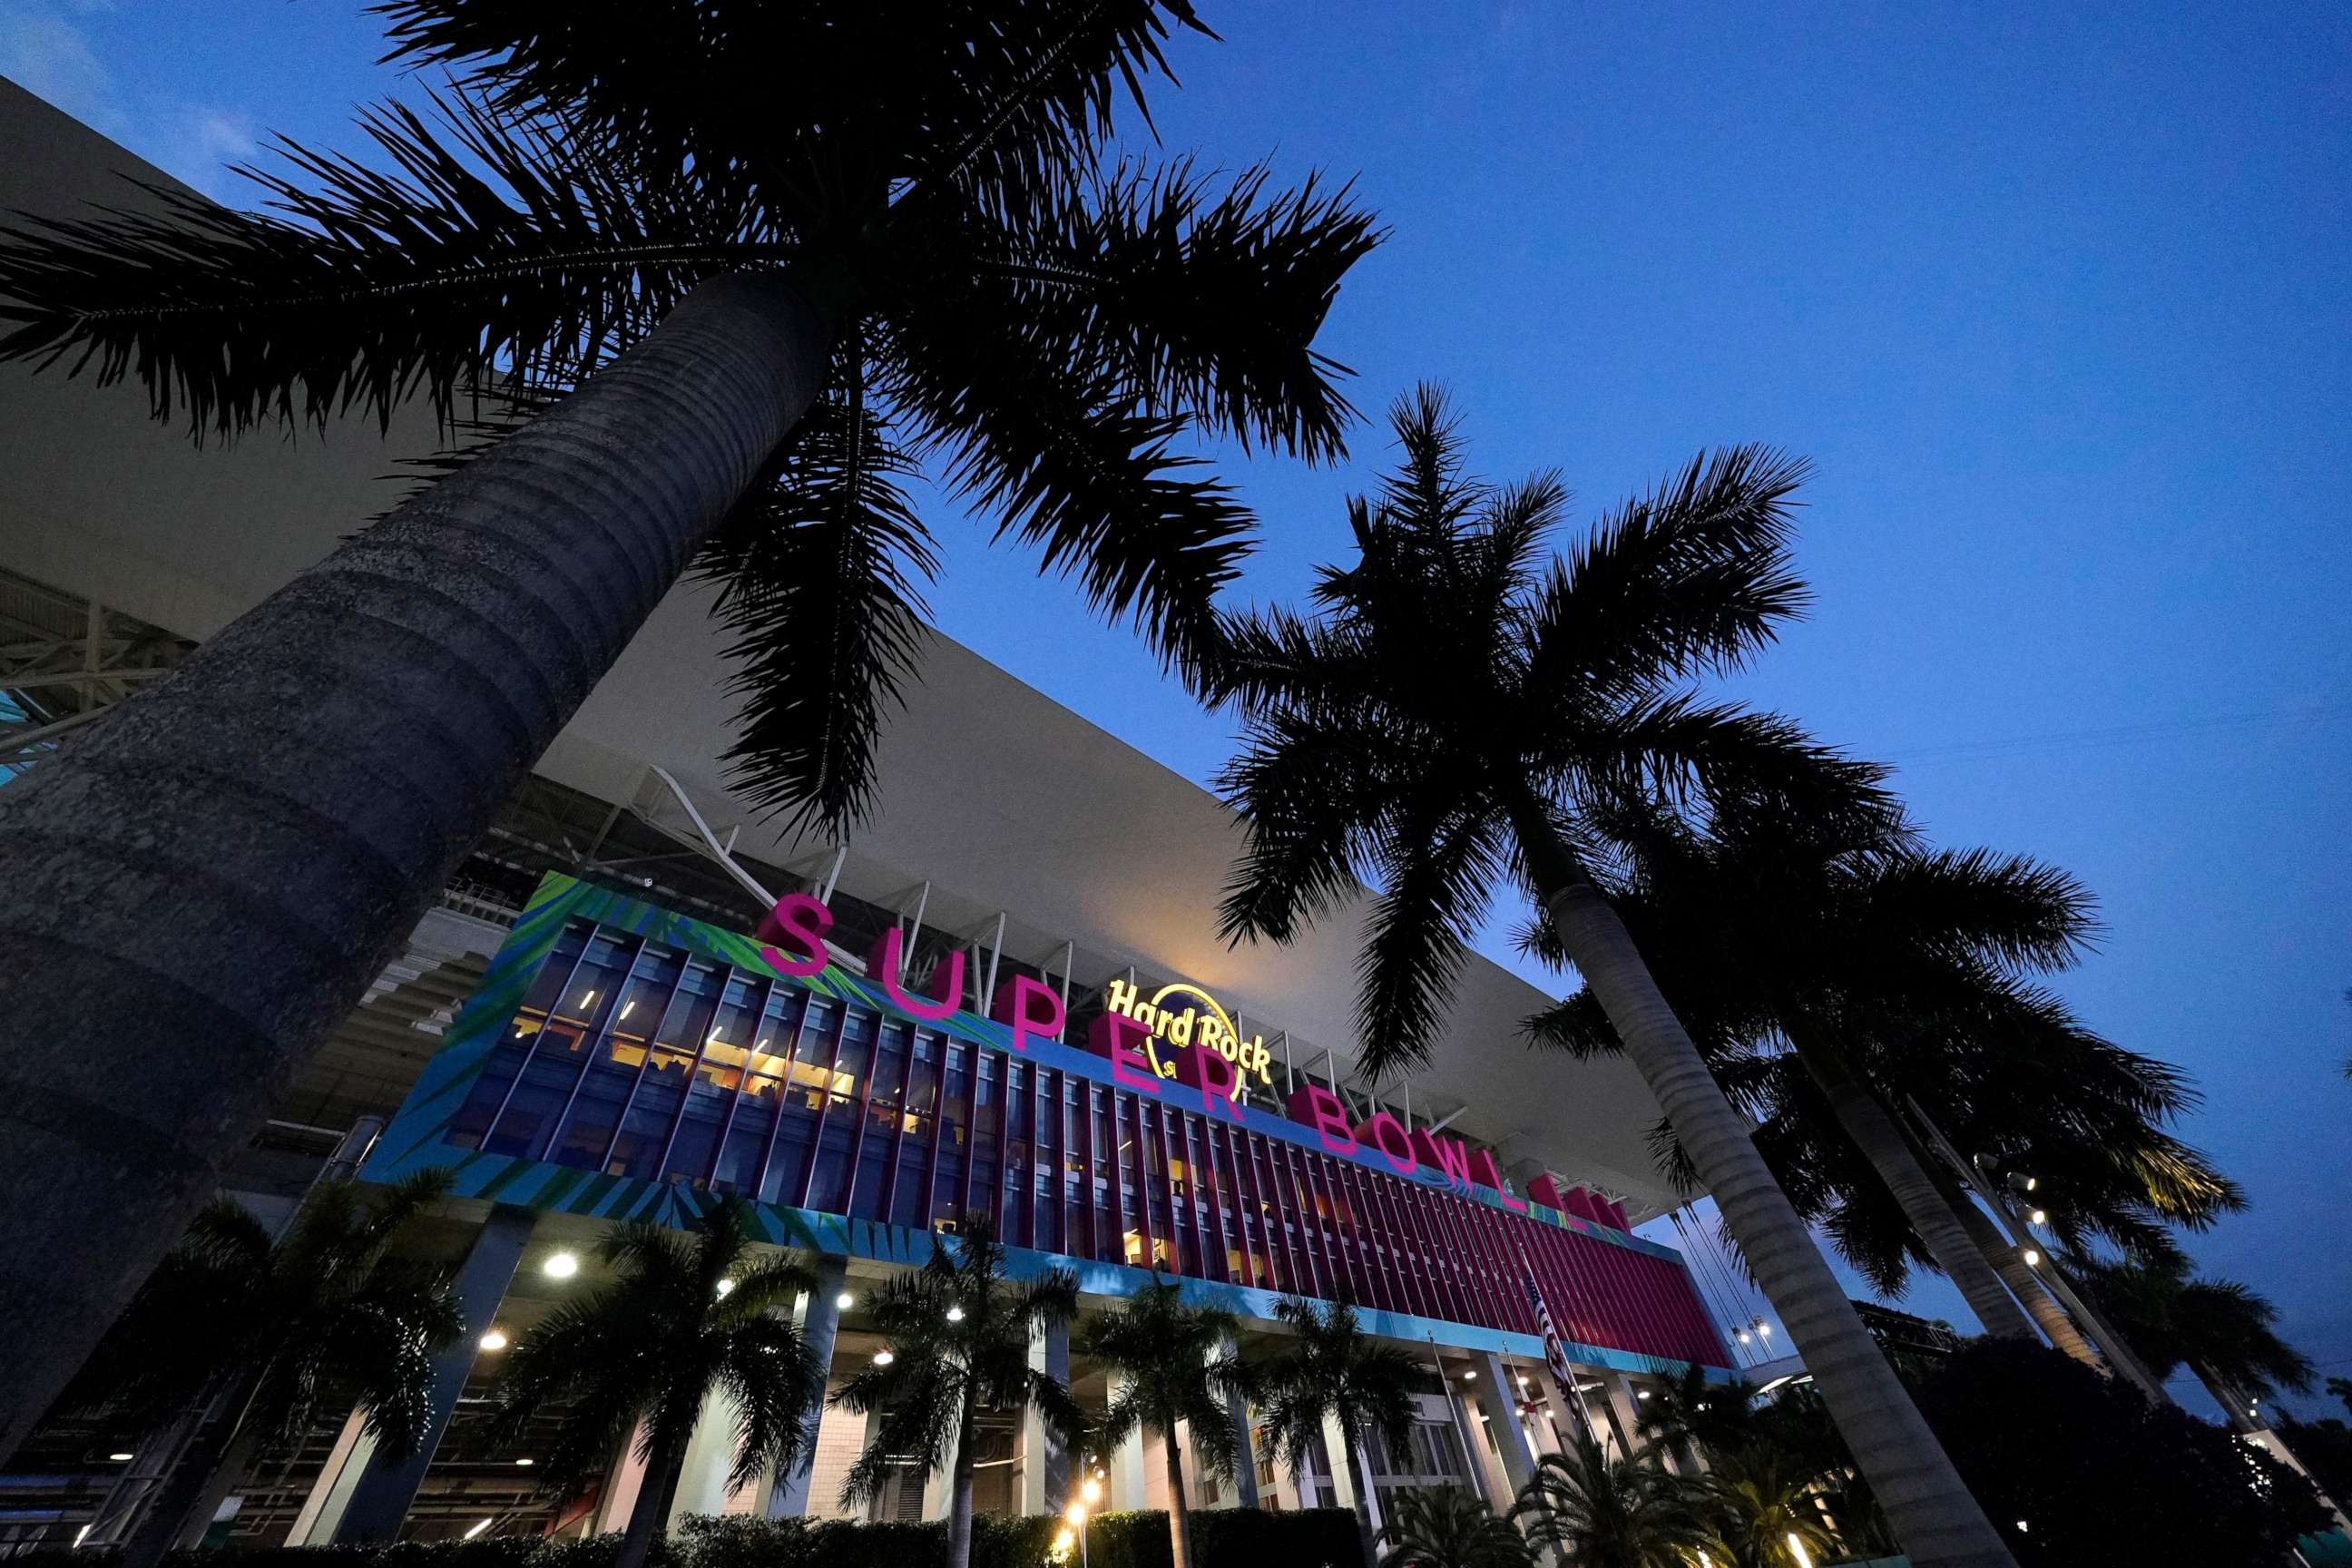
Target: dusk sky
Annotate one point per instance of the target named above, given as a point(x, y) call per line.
point(2056, 299)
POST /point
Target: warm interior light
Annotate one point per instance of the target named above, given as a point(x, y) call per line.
point(478, 1529)
point(561, 1265)
point(842, 1302)
point(628, 1008)
point(494, 1340)
point(955, 1314)
point(883, 1358)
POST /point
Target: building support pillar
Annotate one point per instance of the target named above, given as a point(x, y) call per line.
point(820, 1324)
point(1244, 1456)
point(1491, 1395)
point(709, 1460)
point(379, 1503)
point(331, 1495)
point(1129, 1486)
point(1045, 1460)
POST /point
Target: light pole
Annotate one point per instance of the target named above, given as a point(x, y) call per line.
point(1088, 1495)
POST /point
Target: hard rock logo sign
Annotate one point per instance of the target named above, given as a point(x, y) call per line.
point(1189, 1018)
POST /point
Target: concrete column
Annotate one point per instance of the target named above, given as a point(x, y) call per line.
point(1335, 1454)
point(380, 1501)
point(622, 1484)
point(820, 1321)
point(1128, 1487)
point(1623, 1416)
point(1045, 1479)
point(1245, 1455)
point(322, 1510)
point(709, 1460)
point(1491, 1396)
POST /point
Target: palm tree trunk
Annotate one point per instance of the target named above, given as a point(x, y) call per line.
point(1368, 1502)
point(1882, 1142)
point(2048, 1316)
point(228, 859)
point(1940, 1524)
point(1179, 1509)
point(649, 1515)
point(959, 1493)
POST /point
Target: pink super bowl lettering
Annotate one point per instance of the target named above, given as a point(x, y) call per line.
point(1119, 1039)
point(798, 922)
point(1031, 1009)
point(946, 980)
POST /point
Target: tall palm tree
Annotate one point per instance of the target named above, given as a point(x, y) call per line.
point(265, 1330)
point(1889, 972)
point(958, 1332)
point(1621, 1513)
point(755, 255)
point(1331, 1375)
point(1446, 1527)
point(1687, 1412)
point(2221, 1330)
point(685, 1317)
point(1174, 1365)
point(1461, 715)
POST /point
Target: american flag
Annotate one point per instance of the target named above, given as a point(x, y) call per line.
point(1555, 1353)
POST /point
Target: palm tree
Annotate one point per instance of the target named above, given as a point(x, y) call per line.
point(1890, 974)
point(1333, 1376)
point(957, 1333)
point(1446, 1527)
point(755, 255)
point(265, 1329)
point(1685, 1412)
point(1622, 1513)
point(2218, 1329)
point(684, 1317)
point(1174, 1365)
point(1766, 1498)
point(1461, 714)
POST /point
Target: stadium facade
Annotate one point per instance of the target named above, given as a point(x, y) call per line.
point(1004, 996)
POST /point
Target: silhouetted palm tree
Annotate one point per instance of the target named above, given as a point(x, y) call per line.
point(1893, 973)
point(756, 255)
point(267, 1329)
point(1331, 1374)
point(1687, 1412)
point(957, 1333)
point(1462, 715)
point(1622, 1513)
point(2218, 1329)
point(1446, 1527)
point(686, 1316)
point(1170, 1363)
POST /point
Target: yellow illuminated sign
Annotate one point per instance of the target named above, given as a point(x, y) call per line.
point(1193, 1020)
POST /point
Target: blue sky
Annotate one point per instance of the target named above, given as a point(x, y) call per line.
point(2055, 297)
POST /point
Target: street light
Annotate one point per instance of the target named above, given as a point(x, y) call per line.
point(2031, 1257)
point(1076, 1514)
point(955, 1314)
point(496, 1340)
point(561, 1265)
point(1091, 1491)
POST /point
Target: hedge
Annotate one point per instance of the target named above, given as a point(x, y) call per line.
point(1222, 1538)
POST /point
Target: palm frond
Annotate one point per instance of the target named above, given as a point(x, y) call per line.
point(824, 571)
point(364, 289)
point(1439, 876)
point(1200, 300)
point(1693, 578)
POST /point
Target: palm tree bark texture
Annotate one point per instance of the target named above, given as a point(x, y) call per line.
point(1875, 1132)
point(1940, 1523)
point(235, 854)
